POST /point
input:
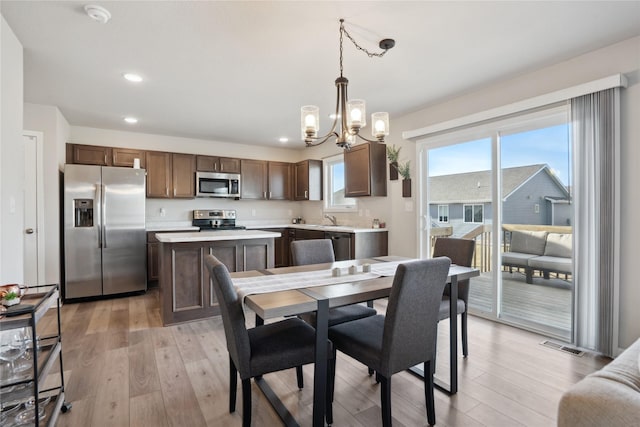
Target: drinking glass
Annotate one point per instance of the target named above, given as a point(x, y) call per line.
point(12, 346)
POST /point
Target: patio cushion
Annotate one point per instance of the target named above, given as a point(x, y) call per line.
point(559, 245)
point(528, 242)
point(560, 265)
point(516, 258)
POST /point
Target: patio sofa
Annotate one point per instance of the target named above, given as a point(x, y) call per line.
point(539, 250)
point(609, 397)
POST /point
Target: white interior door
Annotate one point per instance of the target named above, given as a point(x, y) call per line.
point(33, 207)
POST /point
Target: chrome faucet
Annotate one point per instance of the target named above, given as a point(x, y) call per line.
point(331, 218)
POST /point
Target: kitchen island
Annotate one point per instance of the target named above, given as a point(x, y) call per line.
point(185, 292)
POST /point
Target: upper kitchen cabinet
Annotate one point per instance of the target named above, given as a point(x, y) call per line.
point(365, 170)
point(279, 181)
point(263, 180)
point(184, 176)
point(90, 155)
point(123, 157)
point(170, 175)
point(253, 184)
point(158, 174)
point(308, 180)
point(217, 164)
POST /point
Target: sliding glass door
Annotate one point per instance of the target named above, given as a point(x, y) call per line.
point(507, 185)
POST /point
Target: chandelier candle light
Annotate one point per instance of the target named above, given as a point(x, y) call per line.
point(350, 114)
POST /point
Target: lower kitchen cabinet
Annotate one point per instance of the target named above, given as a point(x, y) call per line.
point(185, 290)
point(281, 247)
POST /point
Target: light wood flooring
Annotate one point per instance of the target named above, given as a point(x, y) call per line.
point(122, 368)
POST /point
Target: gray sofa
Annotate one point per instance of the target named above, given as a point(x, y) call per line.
point(609, 397)
point(539, 250)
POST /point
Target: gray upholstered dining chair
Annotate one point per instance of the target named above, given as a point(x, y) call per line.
point(267, 348)
point(460, 251)
point(320, 251)
point(405, 336)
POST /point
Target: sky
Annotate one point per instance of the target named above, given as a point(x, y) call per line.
point(548, 145)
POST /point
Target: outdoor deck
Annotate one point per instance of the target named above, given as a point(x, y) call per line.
point(545, 304)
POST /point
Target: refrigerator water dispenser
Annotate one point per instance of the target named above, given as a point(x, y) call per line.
point(83, 212)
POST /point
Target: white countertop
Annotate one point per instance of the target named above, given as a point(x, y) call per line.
point(338, 228)
point(170, 226)
point(209, 236)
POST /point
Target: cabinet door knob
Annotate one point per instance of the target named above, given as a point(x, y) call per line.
point(29, 231)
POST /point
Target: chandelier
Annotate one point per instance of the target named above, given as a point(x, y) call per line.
point(350, 115)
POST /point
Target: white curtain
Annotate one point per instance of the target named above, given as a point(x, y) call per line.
point(595, 139)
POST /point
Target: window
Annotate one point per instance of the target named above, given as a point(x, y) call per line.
point(474, 214)
point(334, 200)
point(443, 213)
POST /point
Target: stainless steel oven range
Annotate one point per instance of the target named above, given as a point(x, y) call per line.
point(216, 219)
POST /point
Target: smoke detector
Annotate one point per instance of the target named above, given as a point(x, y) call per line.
point(98, 13)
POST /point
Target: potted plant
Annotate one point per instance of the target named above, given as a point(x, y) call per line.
point(10, 298)
point(404, 169)
point(392, 155)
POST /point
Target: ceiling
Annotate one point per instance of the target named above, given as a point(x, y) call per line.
point(239, 71)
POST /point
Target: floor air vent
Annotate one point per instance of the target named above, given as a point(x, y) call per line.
point(560, 347)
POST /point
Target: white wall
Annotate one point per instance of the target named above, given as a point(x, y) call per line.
point(55, 129)
point(11, 157)
point(622, 57)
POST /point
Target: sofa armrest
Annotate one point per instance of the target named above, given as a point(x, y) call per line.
point(597, 402)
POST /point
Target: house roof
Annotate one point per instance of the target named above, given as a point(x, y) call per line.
point(476, 186)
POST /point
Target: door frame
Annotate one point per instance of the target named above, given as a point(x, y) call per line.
point(40, 227)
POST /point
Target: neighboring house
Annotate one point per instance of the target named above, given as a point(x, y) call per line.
point(530, 195)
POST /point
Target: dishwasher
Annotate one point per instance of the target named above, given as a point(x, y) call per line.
point(341, 244)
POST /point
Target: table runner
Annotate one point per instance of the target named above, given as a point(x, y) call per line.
point(281, 282)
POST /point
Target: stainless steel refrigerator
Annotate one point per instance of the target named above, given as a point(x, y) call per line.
point(104, 230)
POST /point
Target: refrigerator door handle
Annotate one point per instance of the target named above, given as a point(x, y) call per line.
point(104, 217)
point(98, 197)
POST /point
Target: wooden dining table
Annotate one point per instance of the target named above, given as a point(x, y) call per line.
point(349, 290)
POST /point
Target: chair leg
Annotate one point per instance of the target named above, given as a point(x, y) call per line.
point(233, 384)
point(332, 373)
point(465, 342)
point(246, 402)
point(299, 376)
point(428, 393)
point(385, 400)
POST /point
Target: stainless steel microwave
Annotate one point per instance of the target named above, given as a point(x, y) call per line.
point(210, 184)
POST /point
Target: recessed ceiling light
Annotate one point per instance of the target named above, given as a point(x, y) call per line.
point(131, 120)
point(284, 139)
point(132, 77)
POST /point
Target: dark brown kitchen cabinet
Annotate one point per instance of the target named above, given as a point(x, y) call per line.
point(281, 247)
point(308, 180)
point(186, 292)
point(91, 155)
point(183, 172)
point(217, 164)
point(123, 157)
point(253, 180)
point(279, 181)
point(263, 180)
point(365, 170)
point(170, 175)
point(158, 174)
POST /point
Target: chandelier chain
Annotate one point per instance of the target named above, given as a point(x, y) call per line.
point(370, 54)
